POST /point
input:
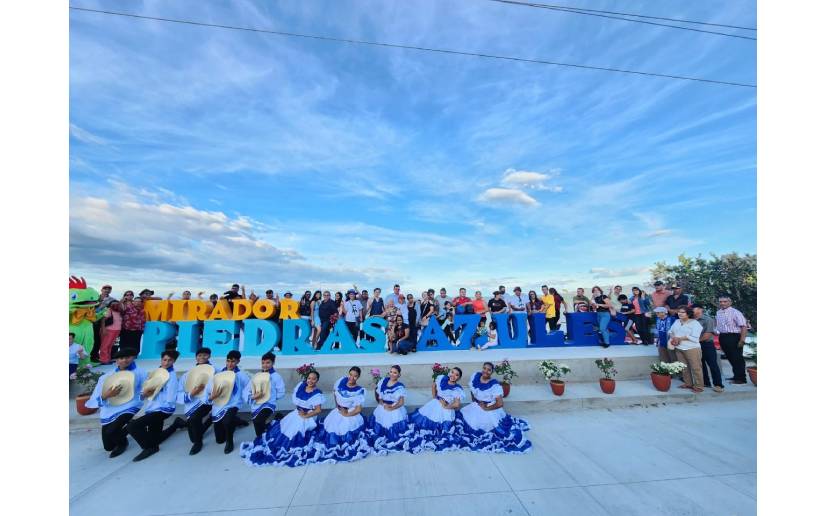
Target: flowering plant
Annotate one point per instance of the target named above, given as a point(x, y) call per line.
point(668, 368)
point(439, 369)
point(606, 367)
point(552, 370)
point(376, 375)
point(505, 370)
point(305, 369)
point(88, 378)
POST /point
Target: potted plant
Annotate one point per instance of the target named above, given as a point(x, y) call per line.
point(505, 370)
point(750, 354)
point(606, 382)
point(662, 371)
point(553, 373)
point(87, 378)
point(305, 369)
point(439, 369)
point(376, 377)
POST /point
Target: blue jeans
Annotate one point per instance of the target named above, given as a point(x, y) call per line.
point(709, 361)
point(604, 320)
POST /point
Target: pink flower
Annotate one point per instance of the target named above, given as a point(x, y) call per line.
point(375, 371)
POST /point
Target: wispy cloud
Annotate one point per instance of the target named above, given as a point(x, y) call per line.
point(507, 196)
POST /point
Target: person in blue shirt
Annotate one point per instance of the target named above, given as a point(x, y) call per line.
point(147, 429)
point(115, 418)
point(663, 324)
point(225, 417)
point(195, 405)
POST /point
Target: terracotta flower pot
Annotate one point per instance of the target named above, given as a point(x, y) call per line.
point(80, 405)
point(557, 386)
point(608, 385)
point(661, 381)
point(752, 374)
point(506, 388)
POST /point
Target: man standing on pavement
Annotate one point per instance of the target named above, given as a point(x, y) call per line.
point(733, 329)
point(708, 349)
point(675, 300)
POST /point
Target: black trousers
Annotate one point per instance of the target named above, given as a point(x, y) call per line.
point(225, 428)
point(130, 339)
point(259, 421)
point(114, 433)
point(95, 354)
point(709, 361)
point(326, 326)
point(198, 423)
point(148, 430)
point(729, 342)
point(353, 329)
point(641, 326)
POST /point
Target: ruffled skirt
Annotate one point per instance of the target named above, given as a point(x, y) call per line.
point(389, 430)
point(492, 431)
point(434, 429)
point(342, 438)
point(289, 442)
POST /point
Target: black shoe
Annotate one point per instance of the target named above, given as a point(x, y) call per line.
point(739, 382)
point(148, 452)
point(240, 423)
point(730, 379)
point(229, 446)
point(605, 346)
point(195, 448)
point(179, 423)
point(120, 448)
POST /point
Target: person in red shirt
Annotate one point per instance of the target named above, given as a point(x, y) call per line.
point(462, 299)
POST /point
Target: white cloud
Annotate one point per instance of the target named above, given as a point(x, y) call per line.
point(85, 136)
point(507, 196)
point(531, 180)
point(602, 272)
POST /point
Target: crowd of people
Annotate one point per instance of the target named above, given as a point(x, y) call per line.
point(212, 396)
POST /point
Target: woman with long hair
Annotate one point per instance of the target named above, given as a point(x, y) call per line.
point(112, 322)
point(388, 428)
point(314, 306)
point(434, 423)
point(134, 320)
point(342, 434)
point(602, 305)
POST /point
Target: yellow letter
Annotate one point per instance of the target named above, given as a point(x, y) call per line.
point(289, 309)
point(237, 313)
point(221, 310)
point(179, 311)
point(199, 310)
point(156, 310)
point(263, 309)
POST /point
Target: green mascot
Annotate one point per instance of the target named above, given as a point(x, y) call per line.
point(83, 304)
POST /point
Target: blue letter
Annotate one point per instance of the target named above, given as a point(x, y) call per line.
point(259, 336)
point(155, 336)
point(580, 328)
point(374, 327)
point(221, 336)
point(296, 342)
point(539, 336)
point(189, 337)
point(465, 328)
point(519, 340)
point(434, 332)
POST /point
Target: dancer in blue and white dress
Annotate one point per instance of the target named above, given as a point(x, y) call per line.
point(388, 429)
point(290, 441)
point(434, 424)
point(342, 435)
point(483, 425)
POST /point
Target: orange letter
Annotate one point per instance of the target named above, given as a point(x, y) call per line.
point(289, 309)
point(237, 313)
point(263, 309)
point(221, 310)
point(199, 310)
point(156, 310)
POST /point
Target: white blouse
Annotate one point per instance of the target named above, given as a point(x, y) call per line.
point(692, 329)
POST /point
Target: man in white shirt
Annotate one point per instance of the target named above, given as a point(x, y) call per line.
point(352, 313)
point(517, 303)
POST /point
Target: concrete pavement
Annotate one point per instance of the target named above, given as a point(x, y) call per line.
point(693, 458)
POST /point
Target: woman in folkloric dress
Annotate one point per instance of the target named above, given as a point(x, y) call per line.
point(290, 441)
point(342, 435)
point(434, 423)
point(483, 425)
point(388, 429)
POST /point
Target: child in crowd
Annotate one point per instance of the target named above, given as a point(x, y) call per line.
point(627, 310)
point(492, 337)
point(76, 354)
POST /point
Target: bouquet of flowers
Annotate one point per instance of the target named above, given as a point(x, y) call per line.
point(505, 370)
point(552, 370)
point(305, 369)
point(668, 368)
point(439, 369)
point(376, 375)
point(606, 367)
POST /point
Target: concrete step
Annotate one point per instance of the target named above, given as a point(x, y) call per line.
point(524, 399)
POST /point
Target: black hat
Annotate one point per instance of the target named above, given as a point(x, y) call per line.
point(125, 352)
point(147, 291)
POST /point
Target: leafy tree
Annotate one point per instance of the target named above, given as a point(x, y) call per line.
point(707, 279)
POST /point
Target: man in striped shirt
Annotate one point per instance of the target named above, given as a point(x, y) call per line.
point(733, 329)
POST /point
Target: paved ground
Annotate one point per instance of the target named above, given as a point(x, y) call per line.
point(684, 459)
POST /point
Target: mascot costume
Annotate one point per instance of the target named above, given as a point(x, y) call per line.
point(83, 304)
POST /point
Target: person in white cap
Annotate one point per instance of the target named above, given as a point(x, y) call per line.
point(264, 406)
point(225, 415)
point(119, 401)
point(159, 403)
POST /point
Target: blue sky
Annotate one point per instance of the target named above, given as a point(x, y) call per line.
point(200, 157)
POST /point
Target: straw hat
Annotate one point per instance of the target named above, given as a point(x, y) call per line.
point(260, 383)
point(155, 382)
point(198, 375)
point(223, 381)
point(126, 380)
